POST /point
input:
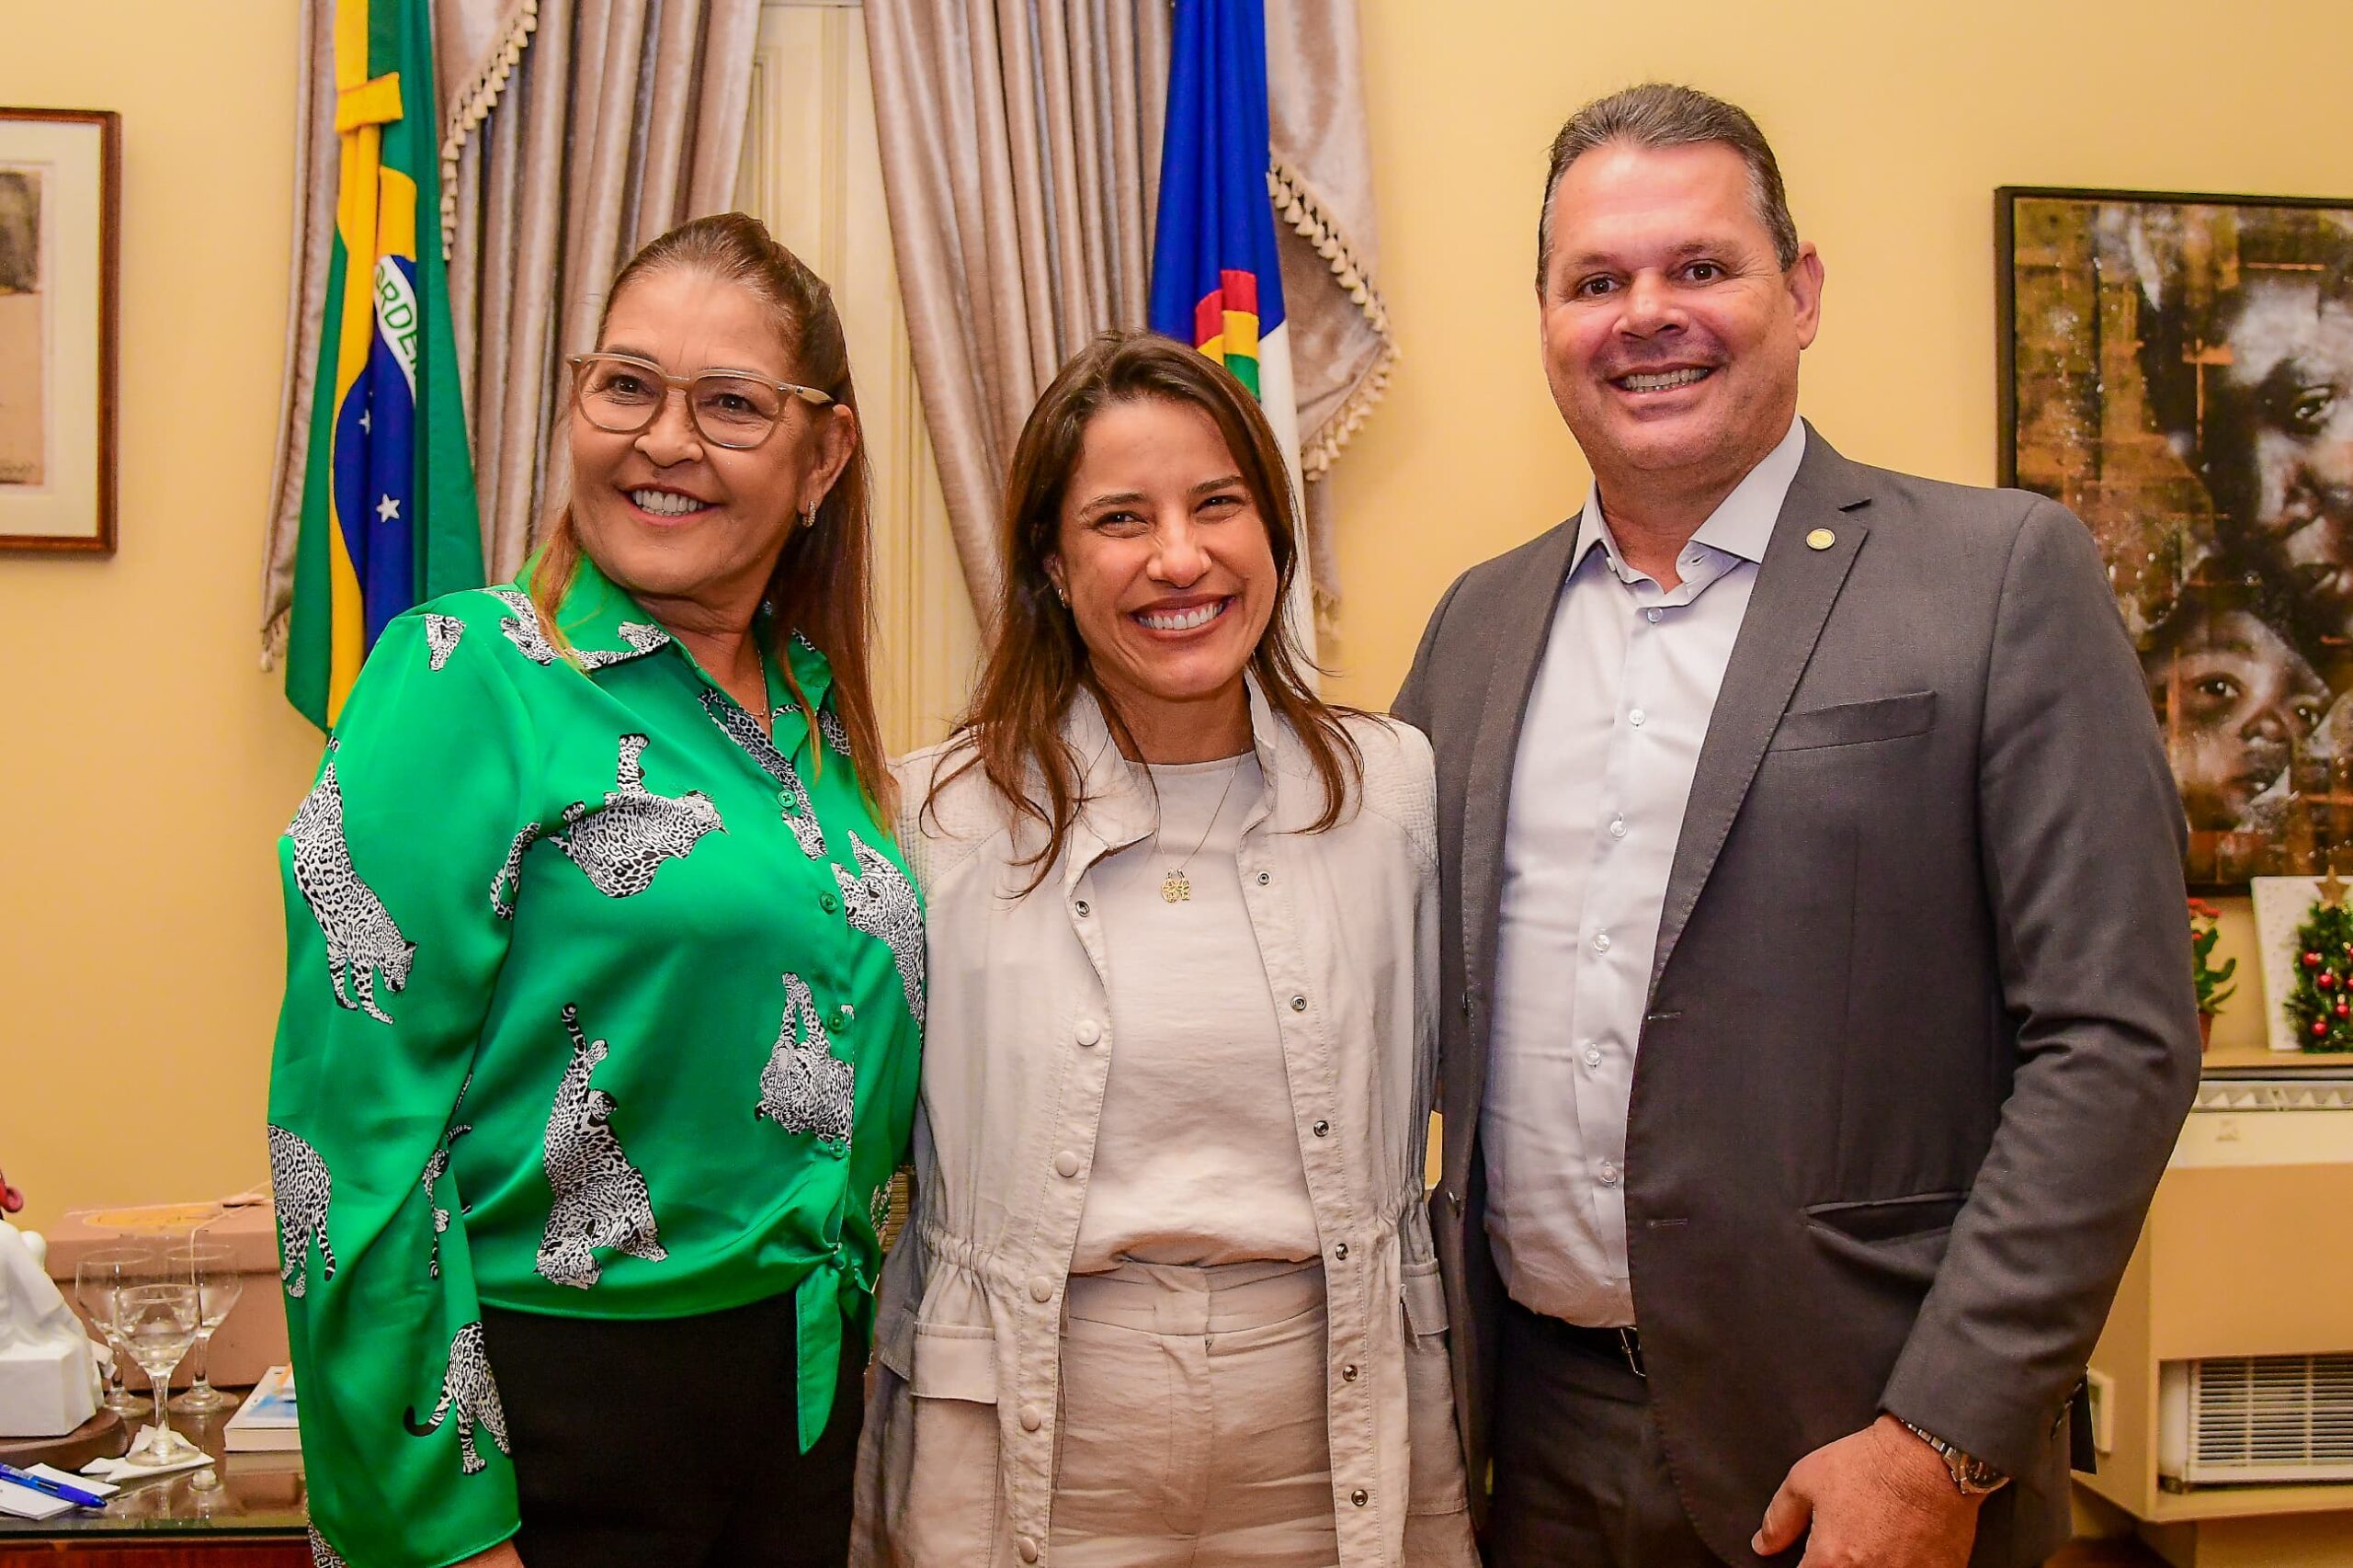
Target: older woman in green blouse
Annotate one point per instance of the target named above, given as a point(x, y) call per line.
point(605, 984)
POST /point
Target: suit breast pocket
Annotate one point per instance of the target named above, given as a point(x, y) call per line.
point(1856, 724)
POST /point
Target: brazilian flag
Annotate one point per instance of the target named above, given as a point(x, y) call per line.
point(389, 517)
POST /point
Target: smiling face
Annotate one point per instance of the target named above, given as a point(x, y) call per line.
point(1671, 332)
point(690, 528)
point(1168, 569)
point(2234, 699)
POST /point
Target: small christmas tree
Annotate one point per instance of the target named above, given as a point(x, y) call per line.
point(2322, 1000)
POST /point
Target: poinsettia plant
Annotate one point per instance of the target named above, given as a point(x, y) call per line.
point(2205, 930)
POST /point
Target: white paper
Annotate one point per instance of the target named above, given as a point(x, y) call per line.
point(27, 1504)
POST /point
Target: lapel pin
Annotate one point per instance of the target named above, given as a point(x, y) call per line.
point(1821, 539)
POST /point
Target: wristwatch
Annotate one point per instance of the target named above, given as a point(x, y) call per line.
point(1971, 1476)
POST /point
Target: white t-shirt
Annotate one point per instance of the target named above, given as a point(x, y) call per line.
point(1197, 1155)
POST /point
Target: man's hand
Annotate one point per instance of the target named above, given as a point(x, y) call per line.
point(1880, 1498)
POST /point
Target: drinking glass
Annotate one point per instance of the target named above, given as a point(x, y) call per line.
point(98, 1279)
point(157, 1309)
point(217, 1284)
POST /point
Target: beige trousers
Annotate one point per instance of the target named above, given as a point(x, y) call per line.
point(1193, 1425)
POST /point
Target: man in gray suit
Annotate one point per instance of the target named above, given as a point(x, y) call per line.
point(1818, 1016)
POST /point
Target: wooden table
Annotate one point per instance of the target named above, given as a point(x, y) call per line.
point(247, 1511)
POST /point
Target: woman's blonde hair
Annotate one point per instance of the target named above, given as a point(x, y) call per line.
point(822, 583)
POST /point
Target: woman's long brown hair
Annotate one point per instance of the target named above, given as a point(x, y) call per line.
point(822, 583)
point(1038, 664)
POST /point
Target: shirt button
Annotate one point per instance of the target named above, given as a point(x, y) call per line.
point(1028, 1548)
point(1609, 1174)
point(1616, 827)
point(1322, 1130)
point(1340, 1251)
point(1041, 1288)
point(1359, 1497)
point(829, 904)
point(1265, 877)
point(1349, 1374)
point(1636, 718)
point(1593, 1056)
point(1299, 1004)
point(1031, 1418)
point(791, 806)
point(1065, 1164)
point(1601, 941)
point(1081, 906)
point(1652, 614)
point(1087, 1032)
point(844, 1015)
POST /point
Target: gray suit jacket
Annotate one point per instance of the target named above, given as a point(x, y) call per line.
point(1921, 1032)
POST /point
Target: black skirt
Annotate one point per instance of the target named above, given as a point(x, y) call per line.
point(672, 1441)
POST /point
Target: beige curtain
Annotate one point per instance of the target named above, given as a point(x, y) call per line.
point(621, 119)
point(1020, 144)
point(315, 160)
point(573, 132)
point(1020, 152)
point(1341, 345)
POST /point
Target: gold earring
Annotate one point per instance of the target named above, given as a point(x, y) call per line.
point(809, 516)
point(1063, 594)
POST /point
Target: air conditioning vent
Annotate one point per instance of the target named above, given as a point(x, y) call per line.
point(2257, 1418)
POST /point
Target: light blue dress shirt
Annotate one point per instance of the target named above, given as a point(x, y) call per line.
point(1615, 722)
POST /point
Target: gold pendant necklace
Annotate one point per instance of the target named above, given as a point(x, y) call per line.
point(1177, 887)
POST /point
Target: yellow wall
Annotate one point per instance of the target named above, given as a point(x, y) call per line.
point(146, 763)
point(150, 765)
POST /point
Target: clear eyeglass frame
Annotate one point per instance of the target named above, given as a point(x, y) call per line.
point(604, 418)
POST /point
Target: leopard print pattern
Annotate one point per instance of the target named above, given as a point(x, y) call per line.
point(362, 938)
point(510, 875)
point(805, 1087)
point(600, 1198)
point(642, 639)
point(801, 815)
point(322, 1554)
point(302, 1192)
point(469, 1391)
point(441, 634)
point(624, 842)
point(836, 734)
point(521, 626)
point(435, 1169)
point(881, 901)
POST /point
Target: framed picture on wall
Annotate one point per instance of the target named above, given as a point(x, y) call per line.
point(2177, 369)
point(59, 220)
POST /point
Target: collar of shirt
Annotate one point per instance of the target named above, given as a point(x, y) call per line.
point(607, 626)
point(1738, 530)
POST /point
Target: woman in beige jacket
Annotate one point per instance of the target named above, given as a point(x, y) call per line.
point(1169, 1295)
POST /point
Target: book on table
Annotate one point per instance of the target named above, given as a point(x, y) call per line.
point(266, 1422)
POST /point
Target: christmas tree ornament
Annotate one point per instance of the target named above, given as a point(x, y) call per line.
point(2321, 1002)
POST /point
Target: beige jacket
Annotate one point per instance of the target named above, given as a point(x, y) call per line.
point(957, 1462)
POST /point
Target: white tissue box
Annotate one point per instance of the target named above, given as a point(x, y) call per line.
point(45, 1391)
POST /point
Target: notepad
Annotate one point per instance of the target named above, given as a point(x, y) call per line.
point(27, 1503)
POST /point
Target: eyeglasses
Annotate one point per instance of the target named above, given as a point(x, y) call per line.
point(622, 394)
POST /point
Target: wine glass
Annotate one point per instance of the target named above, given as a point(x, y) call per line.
point(97, 1280)
point(218, 1285)
point(157, 1310)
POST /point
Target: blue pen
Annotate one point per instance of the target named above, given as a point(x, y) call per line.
point(48, 1488)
